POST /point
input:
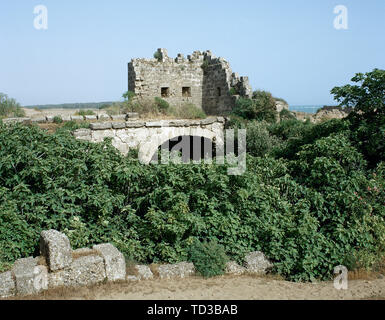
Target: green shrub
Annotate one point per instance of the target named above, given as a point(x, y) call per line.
point(260, 141)
point(57, 119)
point(260, 107)
point(161, 105)
point(85, 113)
point(233, 91)
point(209, 258)
point(286, 115)
point(307, 213)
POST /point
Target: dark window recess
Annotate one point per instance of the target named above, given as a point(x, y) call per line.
point(219, 92)
point(165, 92)
point(186, 91)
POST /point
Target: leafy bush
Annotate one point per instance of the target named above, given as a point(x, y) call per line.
point(85, 113)
point(286, 115)
point(209, 258)
point(233, 91)
point(157, 55)
point(9, 107)
point(260, 141)
point(57, 119)
point(260, 107)
point(161, 104)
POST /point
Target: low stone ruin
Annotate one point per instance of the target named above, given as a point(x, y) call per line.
point(60, 266)
point(51, 119)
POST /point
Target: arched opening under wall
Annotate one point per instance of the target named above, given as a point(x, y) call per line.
point(186, 149)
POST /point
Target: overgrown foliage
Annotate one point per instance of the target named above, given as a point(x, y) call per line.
point(311, 199)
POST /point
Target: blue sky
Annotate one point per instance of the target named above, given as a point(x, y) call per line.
point(288, 47)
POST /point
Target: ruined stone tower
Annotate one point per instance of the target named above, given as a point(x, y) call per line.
point(201, 79)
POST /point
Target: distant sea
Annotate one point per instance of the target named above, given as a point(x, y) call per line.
point(307, 108)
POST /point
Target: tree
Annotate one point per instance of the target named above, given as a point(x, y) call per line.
point(367, 100)
point(9, 107)
point(261, 107)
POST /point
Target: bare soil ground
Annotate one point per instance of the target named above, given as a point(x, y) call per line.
point(244, 287)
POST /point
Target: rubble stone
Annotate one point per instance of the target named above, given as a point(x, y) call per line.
point(56, 248)
point(114, 261)
point(256, 262)
point(179, 270)
point(83, 271)
point(7, 285)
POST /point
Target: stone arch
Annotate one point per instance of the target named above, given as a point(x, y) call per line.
point(149, 147)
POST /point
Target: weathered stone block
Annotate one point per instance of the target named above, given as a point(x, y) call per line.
point(39, 120)
point(155, 124)
point(178, 123)
point(179, 270)
point(90, 117)
point(143, 272)
point(208, 121)
point(119, 117)
point(100, 125)
point(82, 271)
point(7, 285)
point(77, 118)
point(256, 262)
point(83, 132)
point(132, 278)
point(29, 277)
point(56, 248)
point(49, 119)
point(14, 120)
point(114, 261)
point(104, 117)
point(133, 115)
point(136, 124)
point(66, 118)
point(119, 125)
point(234, 268)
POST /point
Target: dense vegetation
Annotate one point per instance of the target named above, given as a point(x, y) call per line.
point(312, 198)
point(9, 107)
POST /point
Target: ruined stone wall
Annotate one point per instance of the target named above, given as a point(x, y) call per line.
point(147, 136)
point(147, 77)
point(201, 79)
point(60, 266)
